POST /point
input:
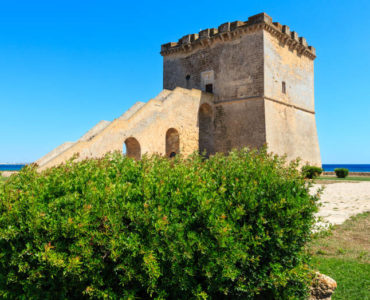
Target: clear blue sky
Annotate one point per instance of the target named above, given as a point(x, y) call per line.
point(66, 65)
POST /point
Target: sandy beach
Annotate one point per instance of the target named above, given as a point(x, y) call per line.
point(342, 200)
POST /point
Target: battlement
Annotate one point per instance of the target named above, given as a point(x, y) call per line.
point(231, 30)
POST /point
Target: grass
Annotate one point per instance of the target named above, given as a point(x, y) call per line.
point(343, 253)
point(2, 179)
point(349, 178)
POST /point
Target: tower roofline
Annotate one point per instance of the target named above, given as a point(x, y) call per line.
point(231, 30)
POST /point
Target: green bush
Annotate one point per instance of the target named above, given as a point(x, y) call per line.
point(341, 172)
point(311, 171)
point(225, 227)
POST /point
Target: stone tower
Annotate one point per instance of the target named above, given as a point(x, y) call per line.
point(244, 84)
point(261, 75)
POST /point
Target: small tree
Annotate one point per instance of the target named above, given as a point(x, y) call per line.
point(341, 172)
point(311, 171)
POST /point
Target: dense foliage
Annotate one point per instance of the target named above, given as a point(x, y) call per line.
point(311, 171)
point(341, 172)
point(225, 227)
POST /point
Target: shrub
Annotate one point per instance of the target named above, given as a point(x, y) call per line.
point(225, 227)
point(311, 171)
point(341, 172)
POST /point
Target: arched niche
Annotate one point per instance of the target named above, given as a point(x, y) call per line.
point(172, 142)
point(132, 148)
point(206, 134)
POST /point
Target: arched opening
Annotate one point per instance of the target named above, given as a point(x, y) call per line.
point(131, 148)
point(172, 142)
point(206, 140)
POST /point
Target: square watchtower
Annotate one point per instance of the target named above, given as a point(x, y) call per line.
point(262, 77)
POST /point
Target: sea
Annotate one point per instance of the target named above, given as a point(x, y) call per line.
point(11, 167)
point(350, 167)
point(326, 167)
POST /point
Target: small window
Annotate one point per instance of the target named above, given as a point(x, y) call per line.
point(283, 87)
point(187, 84)
point(209, 88)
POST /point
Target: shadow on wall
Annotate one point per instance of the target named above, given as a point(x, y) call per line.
point(206, 136)
point(172, 142)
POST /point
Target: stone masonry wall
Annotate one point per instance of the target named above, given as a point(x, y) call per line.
point(290, 117)
point(247, 63)
point(237, 67)
point(239, 124)
point(148, 125)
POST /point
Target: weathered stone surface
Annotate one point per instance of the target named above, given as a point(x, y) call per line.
point(247, 65)
point(54, 153)
point(237, 66)
point(257, 78)
point(323, 287)
point(177, 109)
point(94, 131)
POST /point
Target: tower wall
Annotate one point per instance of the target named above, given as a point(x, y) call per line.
point(239, 124)
point(290, 114)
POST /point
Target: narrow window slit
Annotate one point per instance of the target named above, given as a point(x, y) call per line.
point(209, 88)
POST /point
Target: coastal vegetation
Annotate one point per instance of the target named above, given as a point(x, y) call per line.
point(231, 226)
point(2, 179)
point(341, 172)
point(311, 172)
point(343, 253)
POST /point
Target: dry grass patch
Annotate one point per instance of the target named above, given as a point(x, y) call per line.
point(343, 254)
point(351, 240)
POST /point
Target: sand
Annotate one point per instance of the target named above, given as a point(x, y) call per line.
point(342, 200)
point(8, 173)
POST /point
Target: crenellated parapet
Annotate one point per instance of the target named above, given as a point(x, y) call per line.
point(232, 30)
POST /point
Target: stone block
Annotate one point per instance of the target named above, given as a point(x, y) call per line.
point(260, 18)
point(168, 46)
point(286, 30)
point(303, 41)
point(186, 39)
point(312, 49)
point(236, 24)
point(294, 36)
point(205, 34)
point(224, 27)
